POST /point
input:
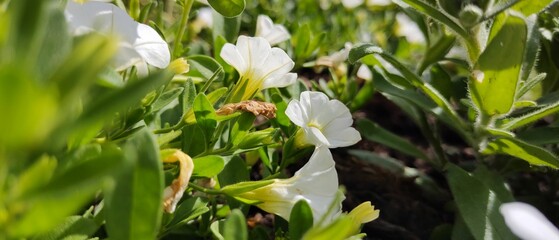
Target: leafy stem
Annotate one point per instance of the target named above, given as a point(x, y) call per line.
point(182, 26)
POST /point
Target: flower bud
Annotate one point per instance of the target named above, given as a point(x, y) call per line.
point(470, 15)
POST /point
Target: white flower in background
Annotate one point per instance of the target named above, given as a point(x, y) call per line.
point(527, 222)
point(409, 29)
point(349, 4)
point(334, 60)
point(139, 43)
point(380, 3)
point(205, 18)
point(322, 121)
point(259, 65)
point(316, 182)
point(364, 73)
point(274, 33)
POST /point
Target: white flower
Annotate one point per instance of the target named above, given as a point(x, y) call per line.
point(364, 73)
point(334, 60)
point(409, 29)
point(139, 43)
point(259, 65)
point(379, 2)
point(527, 222)
point(316, 182)
point(352, 3)
point(322, 121)
point(274, 33)
point(205, 18)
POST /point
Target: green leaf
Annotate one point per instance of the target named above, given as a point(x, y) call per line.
point(494, 181)
point(241, 127)
point(434, 13)
point(188, 96)
point(228, 8)
point(523, 150)
point(242, 187)
point(34, 177)
point(373, 132)
point(235, 171)
point(437, 52)
point(361, 51)
point(340, 229)
point(205, 118)
point(165, 98)
point(235, 226)
point(68, 191)
point(135, 205)
point(540, 136)
point(204, 67)
point(74, 227)
point(530, 117)
point(530, 7)
point(188, 210)
point(494, 83)
point(300, 220)
point(529, 84)
point(106, 105)
point(532, 47)
point(208, 166)
point(387, 163)
point(478, 206)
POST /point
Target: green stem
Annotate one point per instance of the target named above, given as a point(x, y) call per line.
point(433, 141)
point(203, 189)
point(182, 26)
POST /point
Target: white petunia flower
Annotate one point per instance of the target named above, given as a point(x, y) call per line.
point(364, 73)
point(335, 59)
point(381, 3)
point(316, 182)
point(139, 43)
point(274, 33)
point(349, 4)
point(322, 121)
point(527, 222)
point(409, 29)
point(259, 65)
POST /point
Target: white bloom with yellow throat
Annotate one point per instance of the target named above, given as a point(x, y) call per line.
point(274, 33)
point(316, 182)
point(139, 43)
point(259, 65)
point(323, 122)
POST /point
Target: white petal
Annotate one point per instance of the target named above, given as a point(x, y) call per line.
point(263, 25)
point(364, 73)
point(342, 137)
point(329, 110)
point(316, 137)
point(295, 113)
point(254, 50)
point(274, 34)
point(153, 49)
point(231, 55)
point(527, 222)
point(282, 80)
point(352, 3)
point(101, 17)
point(277, 62)
point(126, 57)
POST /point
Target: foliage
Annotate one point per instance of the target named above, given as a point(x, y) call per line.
point(90, 149)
